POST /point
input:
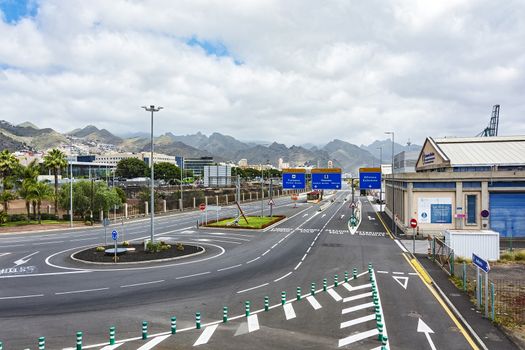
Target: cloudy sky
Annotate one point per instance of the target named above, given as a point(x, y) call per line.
point(294, 71)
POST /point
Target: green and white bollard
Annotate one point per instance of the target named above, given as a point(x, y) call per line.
point(335, 280)
point(283, 297)
point(324, 284)
point(247, 308)
point(384, 341)
point(346, 276)
point(380, 329)
point(224, 314)
point(42, 343)
point(112, 335)
point(266, 303)
point(354, 273)
point(1, 346)
point(173, 325)
point(298, 293)
point(312, 288)
point(378, 317)
point(144, 330)
point(79, 340)
point(198, 320)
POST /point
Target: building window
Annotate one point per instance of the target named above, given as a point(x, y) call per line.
point(471, 209)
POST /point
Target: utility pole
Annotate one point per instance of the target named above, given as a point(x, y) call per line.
point(381, 183)
point(71, 197)
point(181, 199)
point(262, 192)
point(394, 226)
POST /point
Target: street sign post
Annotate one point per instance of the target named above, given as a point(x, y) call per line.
point(370, 178)
point(114, 235)
point(294, 179)
point(483, 265)
point(271, 203)
point(413, 224)
point(326, 179)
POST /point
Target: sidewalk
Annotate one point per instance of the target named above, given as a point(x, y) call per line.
point(492, 336)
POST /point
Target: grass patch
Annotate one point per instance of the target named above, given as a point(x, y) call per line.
point(515, 255)
point(32, 222)
point(254, 222)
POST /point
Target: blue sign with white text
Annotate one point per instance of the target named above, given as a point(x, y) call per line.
point(369, 181)
point(326, 181)
point(294, 181)
point(480, 262)
point(441, 213)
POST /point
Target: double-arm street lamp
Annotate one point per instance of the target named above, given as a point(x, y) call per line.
point(394, 226)
point(152, 109)
point(381, 183)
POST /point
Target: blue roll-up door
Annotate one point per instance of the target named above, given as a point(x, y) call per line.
point(507, 214)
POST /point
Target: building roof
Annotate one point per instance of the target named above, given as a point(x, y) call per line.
point(482, 151)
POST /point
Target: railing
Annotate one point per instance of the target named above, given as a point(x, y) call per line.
point(443, 255)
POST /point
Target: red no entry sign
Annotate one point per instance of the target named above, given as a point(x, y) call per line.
point(202, 206)
point(413, 223)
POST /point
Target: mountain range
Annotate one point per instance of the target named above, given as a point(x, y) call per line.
point(91, 139)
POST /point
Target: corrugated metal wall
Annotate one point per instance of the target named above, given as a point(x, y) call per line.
point(507, 213)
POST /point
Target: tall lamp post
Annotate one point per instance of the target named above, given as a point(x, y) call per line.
point(394, 226)
point(381, 186)
point(152, 109)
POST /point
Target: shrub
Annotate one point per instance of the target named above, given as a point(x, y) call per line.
point(17, 217)
point(3, 217)
point(125, 244)
point(507, 256)
point(100, 249)
point(46, 216)
point(520, 256)
point(180, 246)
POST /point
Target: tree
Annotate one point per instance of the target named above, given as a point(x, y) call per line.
point(8, 165)
point(41, 191)
point(27, 179)
point(166, 171)
point(131, 167)
point(55, 161)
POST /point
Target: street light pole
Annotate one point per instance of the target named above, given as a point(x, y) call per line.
point(394, 226)
point(71, 197)
point(152, 109)
point(262, 191)
point(381, 186)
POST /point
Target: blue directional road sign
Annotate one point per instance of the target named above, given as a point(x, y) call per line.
point(114, 235)
point(370, 178)
point(326, 180)
point(480, 262)
point(295, 180)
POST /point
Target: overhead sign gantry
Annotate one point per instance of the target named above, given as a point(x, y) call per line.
point(294, 179)
point(326, 179)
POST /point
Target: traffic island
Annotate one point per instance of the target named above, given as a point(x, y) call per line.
point(251, 222)
point(137, 253)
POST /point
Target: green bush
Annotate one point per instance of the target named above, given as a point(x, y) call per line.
point(17, 217)
point(46, 216)
point(180, 246)
point(125, 244)
point(520, 256)
point(100, 249)
point(507, 256)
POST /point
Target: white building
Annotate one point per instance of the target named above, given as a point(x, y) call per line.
point(217, 175)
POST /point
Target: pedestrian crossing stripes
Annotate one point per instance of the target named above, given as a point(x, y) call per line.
point(289, 312)
point(315, 304)
point(206, 335)
point(154, 342)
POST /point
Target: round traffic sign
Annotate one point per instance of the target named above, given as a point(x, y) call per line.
point(413, 223)
point(485, 213)
point(114, 235)
point(202, 206)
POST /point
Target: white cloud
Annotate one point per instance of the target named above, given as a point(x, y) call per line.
point(310, 71)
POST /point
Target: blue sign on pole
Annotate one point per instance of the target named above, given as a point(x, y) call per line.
point(326, 181)
point(370, 180)
point(293, 181)
point(480, 262)
point(114, 235)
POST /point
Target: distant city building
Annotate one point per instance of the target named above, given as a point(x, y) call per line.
point(243, 163)
point(282, 165)
point(217, 175)
point(179, 161)
point(27, 157)
point(196, 165)
point(330, 164)
point(405, 162)
point(112, 159)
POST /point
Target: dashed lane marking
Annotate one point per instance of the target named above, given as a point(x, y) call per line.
point(358, 321)
point(230, 267)
point(257, 258)
point(280, 278)
point(334, 294)
point(253, 323)
point(141, 284)
point(194, 275)
point(206, 335)
point(252, 288)
point(357, 307)
point(297, 266)
point(154, 342)
point(315, 304)
point(289, 312)
point(82, 291)
point(22, 296)
point(357, 337)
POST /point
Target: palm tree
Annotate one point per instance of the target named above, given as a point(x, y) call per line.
point(8, 165)
point(55, 161)
point(27, 180)
point(41, 192)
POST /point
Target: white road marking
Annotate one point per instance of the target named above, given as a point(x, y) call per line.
point(280, 278)
point(357, 337)
point(194, 275)
point(358, 320)
point(334, 294)
point(206, 335)
point(22, 296)
point(253, 323)
point(289, 312)
point(403, 281)
point(54, 242)
point(351, 289)
point(305, 215)
point(257, 258)
point(304, 257)
point(252, 288)
point(398, 273)
point(296, 267)
point(323, 216)
point(308, 250)
point(357, 297)
point(154, 342)
point(45, 274)
point(401, 246)
point(275, 245)
point(362, 274)
point(228, 268)
point(413, 273)
point(266, 252)
point(141, 284)
point(315, 304)
point(82, 291)
point(25, 259)
point(357, 307)
point(81, 239)
point(110, 347)
point(4, 254)
point(382, 271)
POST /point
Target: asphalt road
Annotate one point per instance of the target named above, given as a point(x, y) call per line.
point(44, 293)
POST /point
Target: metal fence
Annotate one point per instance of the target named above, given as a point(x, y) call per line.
point(504, 301)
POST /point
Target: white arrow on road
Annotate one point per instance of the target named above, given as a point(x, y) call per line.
point(24, 259)
point(323, 216)
point(371, 218)
point(422, 327)
point(403, 281)
point(305, 215)
point(342, 216)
